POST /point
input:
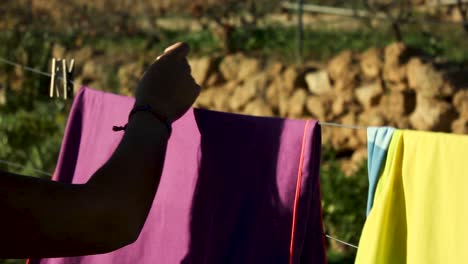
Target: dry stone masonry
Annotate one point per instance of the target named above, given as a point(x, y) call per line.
point(393, 86)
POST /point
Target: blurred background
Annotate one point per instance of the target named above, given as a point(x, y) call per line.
point(355, 62)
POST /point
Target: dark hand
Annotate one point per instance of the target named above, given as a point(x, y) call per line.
point(168, 85)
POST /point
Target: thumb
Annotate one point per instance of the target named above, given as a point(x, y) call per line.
point(178, 50)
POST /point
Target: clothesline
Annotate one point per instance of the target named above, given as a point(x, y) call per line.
point(30, 69)
point(20, 166)
point(331, 124)
point(340, 241)
point(34, 70)
point(27, 68)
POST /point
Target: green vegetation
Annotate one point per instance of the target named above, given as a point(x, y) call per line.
point(279, 42)
point(31, 124)
point(343, 203)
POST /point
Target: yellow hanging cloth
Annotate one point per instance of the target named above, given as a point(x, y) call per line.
point(420, 212)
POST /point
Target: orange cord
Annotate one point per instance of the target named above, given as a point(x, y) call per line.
point(296, 197)
point(298, 192)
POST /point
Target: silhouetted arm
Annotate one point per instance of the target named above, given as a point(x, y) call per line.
point(40, 218)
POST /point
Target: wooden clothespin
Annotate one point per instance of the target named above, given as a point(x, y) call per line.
point(60, 71)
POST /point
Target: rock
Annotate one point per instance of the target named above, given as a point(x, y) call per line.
point(348, 81)
point(205, 98)
point(272, 95)
point(283, 103)
point(318, 82)
point(396, 105)
point(339, 106)
point(372, 117)
point(397, 87)
point(371, 63)
point(214, 79)
point(448, 89)
point(274, 69)
point(217, 97)
point(229, 87)
point(432, 114)
point(342, 103)
point(258, 107)
point(361, 135)
point(319, 106)
point(230, 66)
point(289, 79)
point(238, 67)
point(220, 99)
point(259, 81)
point(460, 101)
point(394, 70)
point(343, 71)
point(345, 139)
point(129, 76)
point(426, 80)
point(395, 53)
point(241, 97)
point(339, 65)
point(394, 74)
point(460, 126)
point(296, 103)
point(280, 88)
point(246, 92)
point(400, 123)
point(201, 68)
point(369, 95)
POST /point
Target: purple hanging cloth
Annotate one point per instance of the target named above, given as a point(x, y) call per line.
point(227, 192)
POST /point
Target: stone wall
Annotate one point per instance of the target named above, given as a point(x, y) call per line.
point(394, 86)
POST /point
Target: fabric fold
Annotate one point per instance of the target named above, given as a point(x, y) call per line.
point(378, 140)
point(227, 190)
point(420, 210)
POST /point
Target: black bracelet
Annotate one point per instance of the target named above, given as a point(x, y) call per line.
point(146, 108)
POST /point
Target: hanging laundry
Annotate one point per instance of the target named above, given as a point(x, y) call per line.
point(378, 140)
point(420, 207)
point(228, 188)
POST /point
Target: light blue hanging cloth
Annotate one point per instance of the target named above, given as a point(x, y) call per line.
point(378, 140)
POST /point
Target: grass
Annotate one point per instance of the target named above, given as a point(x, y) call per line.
point(343, 197)
point(343, 205)
point(322, 44)
point(273, 41)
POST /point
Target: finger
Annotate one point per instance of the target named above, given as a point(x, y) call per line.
point(178, 51)
point(178, 45)
point(186, 66)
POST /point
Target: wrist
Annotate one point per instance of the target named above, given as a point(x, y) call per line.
point(158, 107)
point(149, 110)
point(145, 121)
point(157, 115)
